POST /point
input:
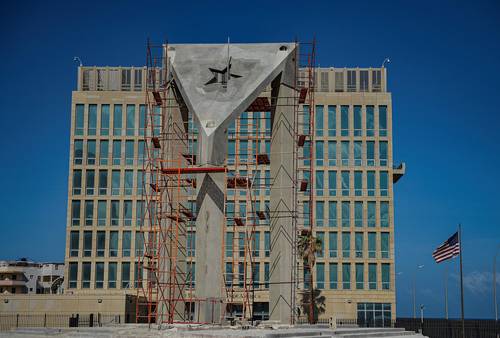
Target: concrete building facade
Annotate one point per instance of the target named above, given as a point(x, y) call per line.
point(353, 188)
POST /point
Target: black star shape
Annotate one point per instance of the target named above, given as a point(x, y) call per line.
point(220, 75)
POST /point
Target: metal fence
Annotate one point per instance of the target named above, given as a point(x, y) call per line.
point(19, 320)
point(451, 328)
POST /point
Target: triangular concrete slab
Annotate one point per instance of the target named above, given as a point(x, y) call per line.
point(201, 74)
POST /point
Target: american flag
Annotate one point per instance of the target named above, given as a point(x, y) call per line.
point(449, 249)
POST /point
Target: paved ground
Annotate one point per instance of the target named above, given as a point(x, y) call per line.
point(133, 330)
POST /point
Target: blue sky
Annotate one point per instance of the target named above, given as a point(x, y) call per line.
point(444, 77)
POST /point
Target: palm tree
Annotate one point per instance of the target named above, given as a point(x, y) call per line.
point(318, 301)
point(308, 247)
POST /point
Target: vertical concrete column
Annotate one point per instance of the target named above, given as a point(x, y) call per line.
point(210, 201)
point(282, 207)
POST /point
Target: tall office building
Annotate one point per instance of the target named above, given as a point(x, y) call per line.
point(353, 190)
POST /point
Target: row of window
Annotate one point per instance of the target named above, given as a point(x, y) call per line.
point(357, 80)
point(119, 244)
point(114, 213)
point(365, 276)
point(89, 120)
point(94, 273)
point(354, 121)
point(115, 157)
point(357, 153)
point(109, 182)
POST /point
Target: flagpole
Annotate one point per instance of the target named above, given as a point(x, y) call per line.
point(461, 278)
point(446, 290)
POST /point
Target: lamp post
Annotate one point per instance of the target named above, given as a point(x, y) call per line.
point(415, 290)
point(495, 283)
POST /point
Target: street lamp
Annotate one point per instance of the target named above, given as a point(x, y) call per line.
point(495, 283)
point(415, 290)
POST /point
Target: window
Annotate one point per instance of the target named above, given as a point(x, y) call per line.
point(113, 244)
point(384, 214)
point(345, 183)
point(139, 243)
point(333, 275)
point(241, 274)
point(90, 182)
point(351, 80)
point(104, 119)
point(266, 275)
point(92, 121)
point(228, 243)
point(319, 152)
point(357, 121)
point(370, 153)
point(321, 237)
point(370, 182)
point(115, 212)
point(332, 182)
point(75, 212)
point(139, 212)
point(99, 275)
point(372, 244)
point(157, 123)
point(229, 274)
point(306, 117)
point(332, 213)
point(307, 276)
point(386, 273)
point(115, 182)
point(91, 152)
point(346, 244)
point(191, 243)
point(320, 182)
point(142, 119)
point(74, 243)
point(339, 82)
point(382, 120)
point(86, 269)
point(243, 150)
point(89, 213)
point(319, 120)
point(358, 183)
point(332, 153)
point(256, 274)
point(231, 151)
point(346, 276)
point(372, 276)
point(363, 80)
point(360, 267)
point(129, 182)
point(78, 151)
point(112, 275)
point(267, 181)
point(241, 244)
point(103, 152)
point(332, 244)
point(100, 243)
point(77, 182)
point(125, 275)
point(332, 122)
point(358, 244)
point(73, 275)
point(140, 152)
point(320, 213)
point(346, 214)
point(137, 79)
point(358, 159)
point(383, 153)
point(256, 244)
point(129, 152)
point(384, 244)
point(306, 213)
point(101, 213)
point(117, 152)
point(344, 120)
point(137, 275)
point(345, 153)
point(358, 214)
point(267, 243)
point(117, 120)
point(371, 214)
point(370, 121)
point(307, 153)
point(103, 182)
point(320, 276)
point(126, 242)
point(79, 119)
point(384, 183)
point(87, 243)
point(376, 80)
point(126, 78)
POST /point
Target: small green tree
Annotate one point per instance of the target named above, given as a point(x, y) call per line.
point(308, 247)
point(318, 302)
